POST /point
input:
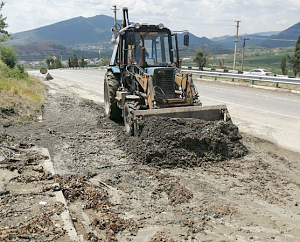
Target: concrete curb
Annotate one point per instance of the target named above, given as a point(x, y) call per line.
point(65, 216)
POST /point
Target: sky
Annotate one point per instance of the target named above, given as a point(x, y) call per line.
point(209, 18)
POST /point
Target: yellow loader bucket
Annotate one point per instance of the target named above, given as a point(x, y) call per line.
point(207, 113)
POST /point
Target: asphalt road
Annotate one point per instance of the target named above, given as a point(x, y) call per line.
point(271, 115)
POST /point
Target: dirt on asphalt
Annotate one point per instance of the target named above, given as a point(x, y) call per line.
point(179, 181)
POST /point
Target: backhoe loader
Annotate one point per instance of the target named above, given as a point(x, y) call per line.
point(144, 78)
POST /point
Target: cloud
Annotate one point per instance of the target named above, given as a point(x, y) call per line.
point(208, 18)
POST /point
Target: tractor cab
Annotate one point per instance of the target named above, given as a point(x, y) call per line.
point(146, 46)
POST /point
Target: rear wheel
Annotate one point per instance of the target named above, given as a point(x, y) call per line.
point(129, 108)
point(111, 85)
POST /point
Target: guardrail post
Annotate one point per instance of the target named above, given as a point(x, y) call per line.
point(276, 84)
point(200, 76)
point(232, 79)
point(252, 82)
point(215, 78)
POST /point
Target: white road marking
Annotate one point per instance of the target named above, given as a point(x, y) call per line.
point(257, 109)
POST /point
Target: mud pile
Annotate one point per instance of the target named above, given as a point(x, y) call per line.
point(170, 142)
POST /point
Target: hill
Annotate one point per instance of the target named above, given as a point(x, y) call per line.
point(74, 31)
point(37, 51)
point(264, 39)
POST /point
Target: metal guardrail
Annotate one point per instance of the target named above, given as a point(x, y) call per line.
point(252, 78)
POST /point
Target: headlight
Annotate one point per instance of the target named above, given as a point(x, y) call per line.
point(161, 26)
point(137, 25)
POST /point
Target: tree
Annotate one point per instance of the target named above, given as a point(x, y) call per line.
point(69, 62)
point(82, 62)
point(58, 63)
point(295, 60)
point(3, 25)
point(53, 64)
point(201, 58)
point(294, 64)
point(49, 61)
point(283, 66)
point(297, 49)
point(222, 64)
point(104, 62)
point(74, 61)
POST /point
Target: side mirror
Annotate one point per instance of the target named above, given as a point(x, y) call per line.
point(186, 40)
point(131, 38)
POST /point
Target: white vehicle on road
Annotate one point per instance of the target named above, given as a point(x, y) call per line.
point(259, 72)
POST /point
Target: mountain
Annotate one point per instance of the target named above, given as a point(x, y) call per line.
point(291, 33)
point(74, 31)
point(264, 39)
point(229, 41)
point(82, 34)
point(194, 40)
point(80, 30)
point(268, 33)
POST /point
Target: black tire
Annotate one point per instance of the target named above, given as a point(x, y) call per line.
point(129, 108)
point(111, 85)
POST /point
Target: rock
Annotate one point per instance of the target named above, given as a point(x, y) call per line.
point(48, 77)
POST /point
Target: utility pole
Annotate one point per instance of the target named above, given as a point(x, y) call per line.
point(114, 29)
point(243, 56)
point(236, 42)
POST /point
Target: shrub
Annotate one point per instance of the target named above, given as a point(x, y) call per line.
point(8, 55)
point(21, 68)
point(16, 72)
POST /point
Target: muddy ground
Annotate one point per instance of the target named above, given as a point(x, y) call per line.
point(244, 189)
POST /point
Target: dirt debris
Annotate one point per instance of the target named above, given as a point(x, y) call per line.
point(168, 184)
point(171, 143)
point(163, 236)
point(27, 213)
point(114, 197)
point(40, 227)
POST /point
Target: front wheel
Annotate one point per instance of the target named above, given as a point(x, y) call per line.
point(111, 85)
point(128, 116)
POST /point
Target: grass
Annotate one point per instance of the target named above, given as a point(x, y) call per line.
point(259, 58)
point(22, 96)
